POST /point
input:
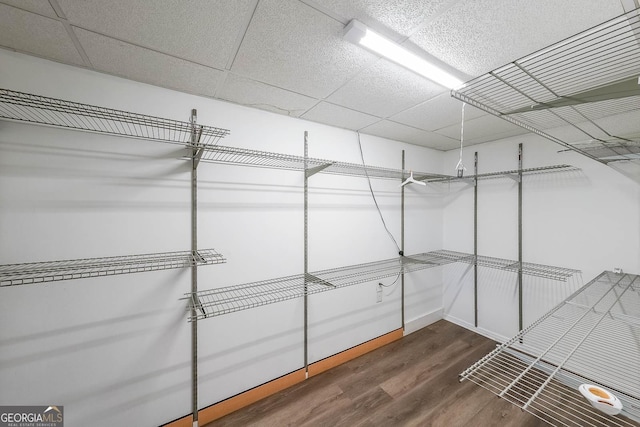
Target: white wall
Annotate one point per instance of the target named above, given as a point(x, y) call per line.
point(587, 220)
point(116, 351)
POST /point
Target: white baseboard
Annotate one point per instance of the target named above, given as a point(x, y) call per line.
point(423, 321)
point(480, 330)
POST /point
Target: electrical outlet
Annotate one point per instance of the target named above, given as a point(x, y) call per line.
point(379, 292)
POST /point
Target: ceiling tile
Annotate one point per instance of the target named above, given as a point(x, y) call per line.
point(199, 30)
point(482, 129)
point(411, 135)
point(251, 93)
point(437, 113)
point(481, 35)
point(293, 46)
point(37, 35)
point(114, 57)
point(385, 89)
point(35, 6)
point(293, 59)
point(401, 16)
point(336, 115)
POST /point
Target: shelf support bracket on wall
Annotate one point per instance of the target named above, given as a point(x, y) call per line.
point(312, 171)
point(310, 278)
point(198, 149)
point(196, 155)
point(514, 176)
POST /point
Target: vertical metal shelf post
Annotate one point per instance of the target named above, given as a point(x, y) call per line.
point(196, 153)
point(306, 252)
point(520, 153)
point(402, 239)
point(307, 277)
point(475, 239)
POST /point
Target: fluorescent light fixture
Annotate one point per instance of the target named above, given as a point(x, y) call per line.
point(358, 33)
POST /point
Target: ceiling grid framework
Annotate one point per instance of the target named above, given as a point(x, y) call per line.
point(289, 57)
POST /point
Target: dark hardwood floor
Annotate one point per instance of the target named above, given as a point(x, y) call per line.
point(410, 382)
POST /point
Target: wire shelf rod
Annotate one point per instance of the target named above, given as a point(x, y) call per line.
point(24, 107)
point(531, 269)
point(518, 96)
point(571, 411)
point(598, 73)
point(574, 349)
point(503, 174)
point(50, 271)
point(554, 401)
point(256, 158)
point(229, 299)
point(617, 43)
point(631, 320)
point(567, 384)
point(541, 367)
point(576, 82)
point(577, 59)
point(596, 65)
point(602, 335)
point(584, 41)
point(519, 336)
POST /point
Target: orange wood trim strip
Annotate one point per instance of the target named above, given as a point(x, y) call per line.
point(241, 400)
point(186, 421)
point(342, 357)
point(219, 410)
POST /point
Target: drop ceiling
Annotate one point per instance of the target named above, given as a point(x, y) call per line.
point(289, 57)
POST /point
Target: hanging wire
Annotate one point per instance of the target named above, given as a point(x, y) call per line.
point(460, 166)
point(391, 284)
point(374, 196)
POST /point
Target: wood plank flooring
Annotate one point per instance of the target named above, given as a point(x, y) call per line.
point(410, 382)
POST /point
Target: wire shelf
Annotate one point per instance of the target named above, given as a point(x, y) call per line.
point(72, 115)
point(592, 337)
point(51, 271)
point(216, 302)
point(530, 269)
point(584, 88)
point(255, 158)
point(511, 173)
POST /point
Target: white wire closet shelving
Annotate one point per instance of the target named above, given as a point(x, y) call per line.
point(52, 271)
point(41, 110)
point(264, 159)
point(510, 173)
point(592, 337)
point(216, 302)
point(528, 268)
point(581, 93)
point(36, 109)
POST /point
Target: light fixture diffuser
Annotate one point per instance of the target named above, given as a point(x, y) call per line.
point(358, 33)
